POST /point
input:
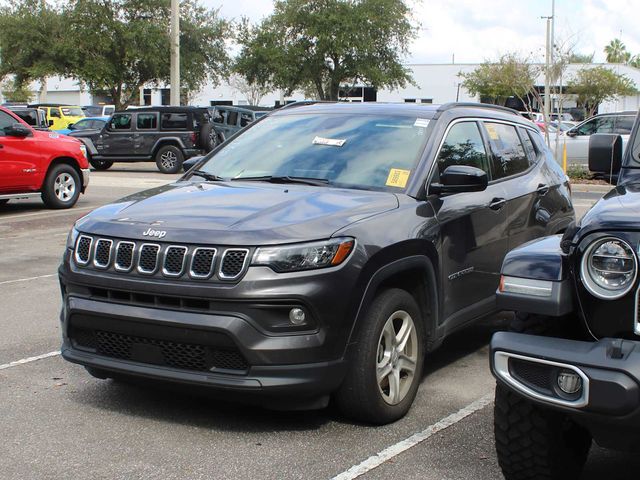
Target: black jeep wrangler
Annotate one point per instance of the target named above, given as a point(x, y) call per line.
point(578, 378)
point(166, 135)
point(324, 249)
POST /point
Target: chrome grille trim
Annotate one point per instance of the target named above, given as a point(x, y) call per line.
point(96, 263)
point(168, 273)
point(222, 262)
point(118, 266)
point(140, 254)
point(194, 254)
point(89, 249)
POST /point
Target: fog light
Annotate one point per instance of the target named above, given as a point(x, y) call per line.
point(297, 316)
point(569, 382)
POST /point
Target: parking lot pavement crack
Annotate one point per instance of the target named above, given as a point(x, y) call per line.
point(415, 439)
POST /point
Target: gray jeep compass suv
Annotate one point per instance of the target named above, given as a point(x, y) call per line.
point(322, 251)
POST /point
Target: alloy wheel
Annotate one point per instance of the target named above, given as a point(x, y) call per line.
point(64, 187)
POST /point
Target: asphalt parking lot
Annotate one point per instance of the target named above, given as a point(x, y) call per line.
point(58, 422)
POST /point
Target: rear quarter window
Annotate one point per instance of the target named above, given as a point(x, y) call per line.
point(508, 154)
point(174, 121)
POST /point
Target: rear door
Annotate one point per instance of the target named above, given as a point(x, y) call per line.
point(473, 227)
point(20, 159)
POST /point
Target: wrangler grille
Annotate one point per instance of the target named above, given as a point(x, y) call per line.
point(175, 261)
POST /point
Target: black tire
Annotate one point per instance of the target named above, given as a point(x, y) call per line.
point(61, 187)
point(169, 159)
point(360, 397)
point(533, 443)
point(97, 373)
point(208, 138)
point(101, 164)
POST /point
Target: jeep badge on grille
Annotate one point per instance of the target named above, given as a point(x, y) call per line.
point(155, 233)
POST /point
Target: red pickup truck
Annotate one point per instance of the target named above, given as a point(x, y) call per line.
point(40, 163)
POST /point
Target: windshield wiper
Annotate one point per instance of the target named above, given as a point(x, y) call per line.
point(210, 177)
point(318, 182)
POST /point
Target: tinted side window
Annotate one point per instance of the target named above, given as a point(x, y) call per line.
point(174, 121)
point(54, 112)
point(245, 119)
point(597, 125)
point(147, 121)
point(463, 145)
point(6, 120)
point(624, 124)
point(528, 145)
point(232, 118)
point(120, 121)
point(218, 116)
point(509, 157)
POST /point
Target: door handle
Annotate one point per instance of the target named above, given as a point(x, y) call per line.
point(542, 189)
point(497, 203)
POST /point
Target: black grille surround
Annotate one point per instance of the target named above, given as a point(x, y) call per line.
point(179, 355)
point(226, 264)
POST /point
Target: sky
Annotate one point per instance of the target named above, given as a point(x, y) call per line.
point(472, 31)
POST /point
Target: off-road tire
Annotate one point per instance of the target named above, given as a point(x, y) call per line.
point(101, 164)
point(53, 194)
point(359, 396)
point(97, 373)
point(209, 138)
point(164, 165)
point(533, 443)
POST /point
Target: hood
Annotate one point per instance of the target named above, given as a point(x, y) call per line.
point(236, 213)
point(84, 133)
point(48, 134)
point(617, 210)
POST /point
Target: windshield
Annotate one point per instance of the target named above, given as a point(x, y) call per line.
point(72, 111)
point(358, 151)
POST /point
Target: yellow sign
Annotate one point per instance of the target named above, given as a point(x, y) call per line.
point(491, 130)
point(398, 178)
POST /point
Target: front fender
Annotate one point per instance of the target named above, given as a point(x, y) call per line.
point(535, 279)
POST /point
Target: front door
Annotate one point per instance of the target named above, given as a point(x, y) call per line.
point(117, 139)
point(577, 138)
point(473, 227)
point(19, 159)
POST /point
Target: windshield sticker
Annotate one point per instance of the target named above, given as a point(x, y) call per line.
point(398, 178)
point(421, 122)
point(332, 142)
point(491, 130)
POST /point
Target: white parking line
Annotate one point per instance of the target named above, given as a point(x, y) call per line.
point(6, 282)
point(29, 360)
point(404, 445)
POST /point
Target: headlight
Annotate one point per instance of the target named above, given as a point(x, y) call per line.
point(71, 238)
point(304, 256)
point(609, 268)
point(83, 149)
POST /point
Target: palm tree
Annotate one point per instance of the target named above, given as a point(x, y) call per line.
point(617, 52)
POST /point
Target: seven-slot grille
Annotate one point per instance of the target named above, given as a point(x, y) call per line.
point(169, 260)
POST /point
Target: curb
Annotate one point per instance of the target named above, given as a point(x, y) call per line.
point(590, 188)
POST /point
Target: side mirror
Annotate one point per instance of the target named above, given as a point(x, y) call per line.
point(460, 178)
point(51, 123)
point(571, 133)
point(605, 153)
point(17, 130)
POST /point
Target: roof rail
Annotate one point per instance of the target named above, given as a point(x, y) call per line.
point(450, 105)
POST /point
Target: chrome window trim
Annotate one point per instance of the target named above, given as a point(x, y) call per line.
point(501, 365)
point(244, 263)
point(155, 269)
point(116, 265)
point(636, 324)
point(165, 272)
point(75, 253)
point(95, 250)
point(213, 263)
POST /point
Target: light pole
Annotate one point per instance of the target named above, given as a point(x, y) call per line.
point(175, 52)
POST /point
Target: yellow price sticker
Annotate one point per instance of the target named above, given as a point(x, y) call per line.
point(398, 178)
point(491, 130)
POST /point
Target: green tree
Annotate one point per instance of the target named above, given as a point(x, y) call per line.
point(596, 85)
point(581, 57)
point(12, 91)
point(30, 41)
point(617, 52)
point(635, 61)
point(118, 46)
point(509, 76)
point(325, 44)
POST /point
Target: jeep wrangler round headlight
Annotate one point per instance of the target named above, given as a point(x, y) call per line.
point(304, 256)
point(609, 268)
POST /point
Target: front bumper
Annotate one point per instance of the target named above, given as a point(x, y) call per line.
point(86, 173)
point(608, 403)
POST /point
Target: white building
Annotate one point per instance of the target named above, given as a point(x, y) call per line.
point(434, 83)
